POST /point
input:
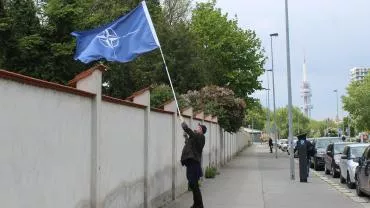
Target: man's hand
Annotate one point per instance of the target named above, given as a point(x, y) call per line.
point(181, 119)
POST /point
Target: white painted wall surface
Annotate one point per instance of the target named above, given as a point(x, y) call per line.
point(122, 156)
point(44, 147)
point(160, 154)
point(45, 150)
point(181, 180)
point(206, 149)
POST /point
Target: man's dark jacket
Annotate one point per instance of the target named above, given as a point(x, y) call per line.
point(193, 146)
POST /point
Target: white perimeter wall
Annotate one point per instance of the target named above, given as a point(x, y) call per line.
point(46, 151)
point(44, 147)
point(122, 156)
point(160, 155)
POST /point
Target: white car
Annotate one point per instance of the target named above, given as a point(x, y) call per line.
point(347, 165)
point(283, 144)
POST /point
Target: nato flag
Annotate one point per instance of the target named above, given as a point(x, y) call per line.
point(121, 41)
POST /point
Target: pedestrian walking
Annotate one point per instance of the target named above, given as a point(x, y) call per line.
point(305, 151)
point(270, 144)
point(191, 157)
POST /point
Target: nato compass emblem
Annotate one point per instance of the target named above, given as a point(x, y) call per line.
point(109, 38)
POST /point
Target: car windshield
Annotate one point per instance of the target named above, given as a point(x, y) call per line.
point(338, 148)
point(357, 151)
point(324, 142)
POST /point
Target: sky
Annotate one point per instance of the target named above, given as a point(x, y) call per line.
point(334, 35)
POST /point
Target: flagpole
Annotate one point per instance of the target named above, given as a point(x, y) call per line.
point(169, 78)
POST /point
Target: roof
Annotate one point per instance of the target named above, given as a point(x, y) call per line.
point(41, 83)
point(165, 103)
point(137, 93)
point(86, 73)
point(359, 145)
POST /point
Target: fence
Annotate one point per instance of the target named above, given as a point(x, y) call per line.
point(72, 147)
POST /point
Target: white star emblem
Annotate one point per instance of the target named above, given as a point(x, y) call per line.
point(109, 38)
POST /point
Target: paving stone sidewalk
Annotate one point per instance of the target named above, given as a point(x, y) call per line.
point(256, 179)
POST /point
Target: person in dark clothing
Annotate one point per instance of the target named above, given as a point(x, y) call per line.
point(270, 144)
point(305, 151)
point(191, 158)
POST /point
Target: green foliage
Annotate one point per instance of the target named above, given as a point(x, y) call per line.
point(255, 116)
point(300, 122)
point(160, 94)
point(206, 49)
point(233, 56)
point(220, 102)
point(349, 123)
point(210, 172)
point(357, 103)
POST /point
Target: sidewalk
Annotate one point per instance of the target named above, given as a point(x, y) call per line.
point(256, 179)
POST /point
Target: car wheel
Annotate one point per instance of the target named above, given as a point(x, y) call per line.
point(342, 180)
point(349, 183)
point(334, 173)
point(311, 164)
point(327, 172)
point(316, 166)
point(358, 189)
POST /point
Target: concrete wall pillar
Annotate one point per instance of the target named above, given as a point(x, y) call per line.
point(91, 81)
point(142, 97)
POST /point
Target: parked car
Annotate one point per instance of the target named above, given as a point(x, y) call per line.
point(332, 158)
point(281, 143)
point(348, 163)
point(284, 146)
point(320, 144)
point(362, 173)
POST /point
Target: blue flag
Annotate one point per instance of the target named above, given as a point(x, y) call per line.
point(122, 40)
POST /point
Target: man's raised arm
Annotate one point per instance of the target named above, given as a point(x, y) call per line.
point(186, 128)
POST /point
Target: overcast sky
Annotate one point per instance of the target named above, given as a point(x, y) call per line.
point(334, 35)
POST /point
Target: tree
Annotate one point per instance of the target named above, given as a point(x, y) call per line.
point(300, 122)
point(357, 103)
point(348, 124)
point(220, 102)
point(255, 116)
point(21, 46)
point(232, 56)
point(176, 11)
point(160, 94)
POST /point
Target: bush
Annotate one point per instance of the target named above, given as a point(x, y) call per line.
point(211, 172)
point(220, 102)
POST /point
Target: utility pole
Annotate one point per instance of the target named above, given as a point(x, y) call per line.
point(292, 171)
point(268, 130)
point(273, 91)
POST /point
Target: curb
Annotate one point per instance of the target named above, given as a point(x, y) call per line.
point(344, 191)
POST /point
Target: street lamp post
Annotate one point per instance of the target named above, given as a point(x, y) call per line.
point(292, 172)
point(273, 90)
point(268, 129)
point(337, 118)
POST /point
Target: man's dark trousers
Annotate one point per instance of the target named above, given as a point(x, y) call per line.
point(303, 161)
point(193, 174)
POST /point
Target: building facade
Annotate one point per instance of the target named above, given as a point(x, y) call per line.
point(358, 73)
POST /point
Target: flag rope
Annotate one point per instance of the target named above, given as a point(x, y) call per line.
point(169, 78)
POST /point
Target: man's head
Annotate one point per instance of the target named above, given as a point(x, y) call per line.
point(201, 129)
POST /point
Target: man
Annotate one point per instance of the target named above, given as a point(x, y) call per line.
point(270, 144)
point(191, 158)
point(305, 151)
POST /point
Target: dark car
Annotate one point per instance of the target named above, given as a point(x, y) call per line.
point(332, 158)
point(320, 144)
point(362, 173)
